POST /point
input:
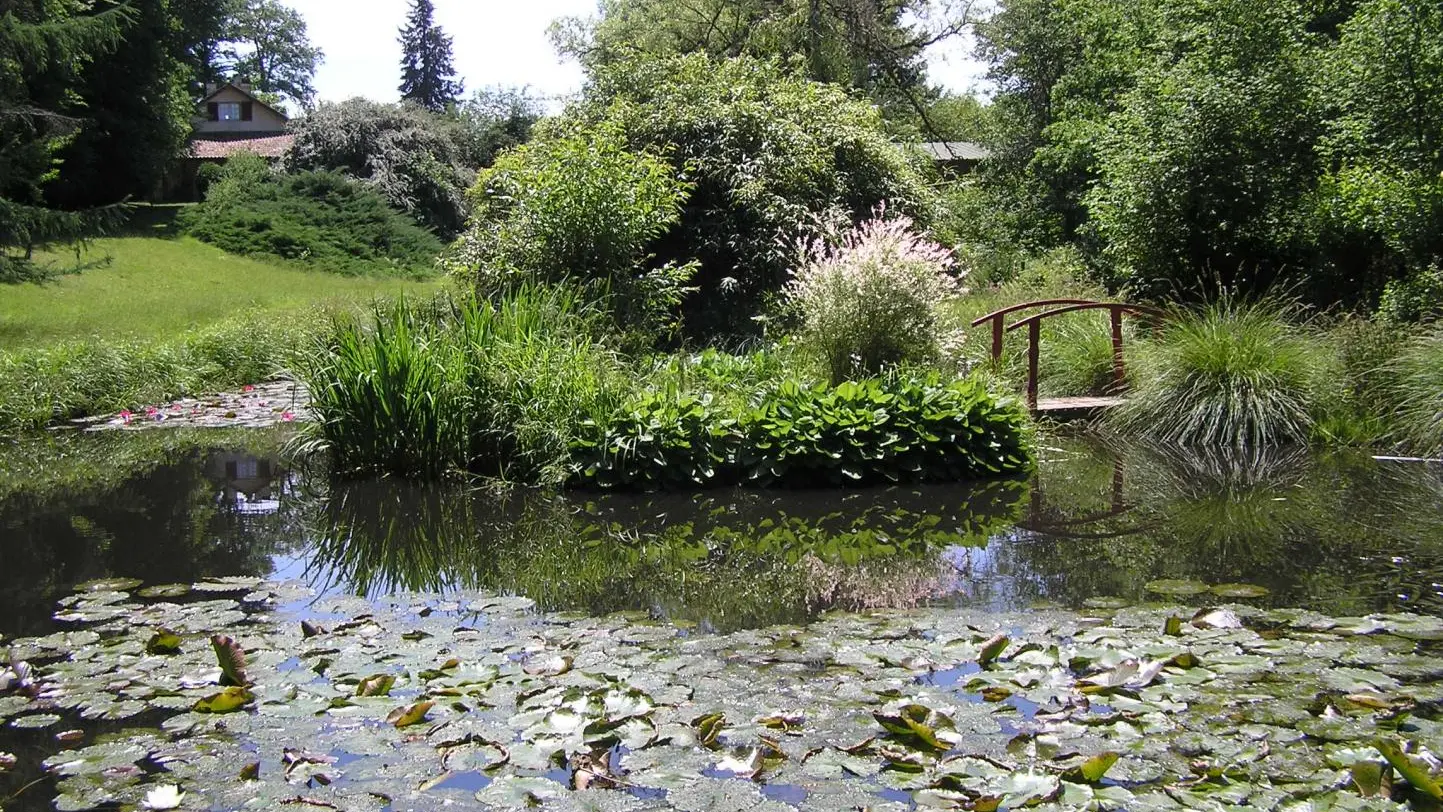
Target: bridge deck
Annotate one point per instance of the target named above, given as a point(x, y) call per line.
point(1076, 407)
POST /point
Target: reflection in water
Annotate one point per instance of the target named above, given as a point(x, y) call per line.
point(188, 510)
point(724, 561)
point(1340, 533)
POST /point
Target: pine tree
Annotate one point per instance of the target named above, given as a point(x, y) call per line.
point(44, 47)
point(427, 76)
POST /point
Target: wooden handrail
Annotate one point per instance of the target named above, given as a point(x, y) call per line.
point(1034, 333)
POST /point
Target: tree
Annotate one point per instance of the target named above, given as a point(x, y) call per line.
point(137, 110)
point(875, 46)
point(497, 119)
point(420, 161)
point(266, 43)
point(427, 75)
point(44, 45)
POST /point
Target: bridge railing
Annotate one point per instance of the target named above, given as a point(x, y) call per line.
point(1033, 324)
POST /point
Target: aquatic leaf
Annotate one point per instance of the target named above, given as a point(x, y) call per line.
point(408, 715)
point(708, 728)
point(1412, 771)
point(164, 641)
point(164, 591)
point(109, 585)
point(1172, 627)
point(1027, 789)
point(992, 649)
point(227, 701)
point(1176, 588)
point(165, 796)
point(34, 721)
point(232, 660)
point(251, 771)
point(1369, 780)
point(1092, 770)
point(915, 724)
point(309, 629)
point(1240, 591)
point(1216, 619)
point(376, 685)
point(548, 665)
point(745, 764)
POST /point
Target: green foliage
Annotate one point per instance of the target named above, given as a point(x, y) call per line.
point(1419, 381)
point(767, 156)
point(875, 49)
point(1201, 167)
point(578, 208)
point(496, 119)
point(1382, 85)
point(46, 47)
point(494, 388)
point(871, 298)
point(420, 162)
point(1229, 374)
point(87, 377)
point(901, 429)
point(1418, 297)
point(322, 219)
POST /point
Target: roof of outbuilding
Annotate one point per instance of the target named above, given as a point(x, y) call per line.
point(955, 151)
point(268, 146)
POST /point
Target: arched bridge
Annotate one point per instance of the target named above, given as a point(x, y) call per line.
point(1033, 323)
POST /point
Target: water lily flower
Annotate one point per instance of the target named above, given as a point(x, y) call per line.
point(125, 415)
point(287, 416)
point(165, 796)
point(248, 388)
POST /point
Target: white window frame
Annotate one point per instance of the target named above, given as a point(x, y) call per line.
point(228, 111)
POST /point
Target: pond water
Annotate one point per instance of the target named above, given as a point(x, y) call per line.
point(1097, 524)
point(723, 651)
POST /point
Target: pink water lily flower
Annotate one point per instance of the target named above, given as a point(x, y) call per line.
point(248, 388)
point(287, 416)
point(125, 415)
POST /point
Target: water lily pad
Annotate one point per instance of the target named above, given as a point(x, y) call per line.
point(408, 715)
point(227, 701)
point(109, 585)
point(1106, 602)
point(164, 591)
point(1176, 587)
point(34, 721)
point(1240, 591)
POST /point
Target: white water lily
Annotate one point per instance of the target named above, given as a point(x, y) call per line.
point(165, 796)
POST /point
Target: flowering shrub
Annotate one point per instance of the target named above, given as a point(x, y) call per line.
point(870, 299)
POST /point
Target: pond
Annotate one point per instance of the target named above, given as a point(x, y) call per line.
point(1104, 536)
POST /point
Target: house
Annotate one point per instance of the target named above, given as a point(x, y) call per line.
point(230, 119)
point(956, 157)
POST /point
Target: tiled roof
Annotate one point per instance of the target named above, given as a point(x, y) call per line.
point(269, 146)
point(955, 151)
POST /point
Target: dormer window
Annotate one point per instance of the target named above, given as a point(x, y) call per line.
point(231, 111)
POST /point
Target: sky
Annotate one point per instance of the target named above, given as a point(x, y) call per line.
point(497, 43)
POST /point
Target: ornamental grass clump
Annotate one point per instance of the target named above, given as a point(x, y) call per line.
point(1418, 374)
point(871, 299)
point(1229, 374)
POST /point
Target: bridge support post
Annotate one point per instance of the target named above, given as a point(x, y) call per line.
point(1119, 371)
point(997, 339)
point(1034, 340)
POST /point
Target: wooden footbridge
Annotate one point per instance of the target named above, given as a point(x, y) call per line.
point(1066, 407)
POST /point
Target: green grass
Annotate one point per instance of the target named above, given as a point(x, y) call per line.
point(155, 288)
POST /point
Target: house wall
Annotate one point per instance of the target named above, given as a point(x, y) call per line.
point(263, 120)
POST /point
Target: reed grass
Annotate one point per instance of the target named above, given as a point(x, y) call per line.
point(494, 388)
point(1418, 381)
point(1229, 374)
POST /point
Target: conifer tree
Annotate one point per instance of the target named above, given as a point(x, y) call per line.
point(44, 46)
point(427, 76)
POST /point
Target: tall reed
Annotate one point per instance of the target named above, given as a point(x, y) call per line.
point(489, 387)
point(1418, 382)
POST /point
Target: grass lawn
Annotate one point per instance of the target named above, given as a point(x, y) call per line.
point(157, 287)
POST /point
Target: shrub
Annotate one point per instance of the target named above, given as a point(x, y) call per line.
point(322, 219)
point(766, 154)
point(1418, 375)
point(1418, 297)
point(419, 161)
point(494, 388)
point(901, 429)
point(871, 299)
point(1228, 374)
point(83, 378)
point(576, 208)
